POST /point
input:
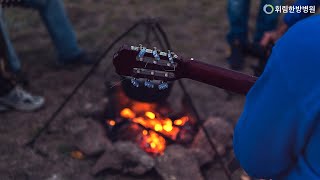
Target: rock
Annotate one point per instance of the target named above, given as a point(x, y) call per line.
point(178, 163)
point(53, 146)
point(84, 176)
point(94, 107)
point(202, 156)
point(214, 172)
point(57, 176)
point(4, 175)
point(220, 132)
point(127, 157)
point(77, 125)
point(93, 140)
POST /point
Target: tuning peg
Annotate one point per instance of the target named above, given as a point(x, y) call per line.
point(135, 82)
point(155, 54)
point(163, 86)
point(148, 84)
point(142, 52)
point(170, 56)
point(174, 55)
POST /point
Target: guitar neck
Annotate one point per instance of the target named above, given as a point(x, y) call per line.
point(220, 77)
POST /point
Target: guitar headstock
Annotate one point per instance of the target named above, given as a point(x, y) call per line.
point(147, 67)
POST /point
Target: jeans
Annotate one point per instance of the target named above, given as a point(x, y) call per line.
point(53, 14)
point(238, 13)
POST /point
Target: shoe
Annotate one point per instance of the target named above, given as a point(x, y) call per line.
point(21, 100)
point(79, 60)
point(236, 59)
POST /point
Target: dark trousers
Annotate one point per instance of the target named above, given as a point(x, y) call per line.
point(6, 85)
point(6, 81)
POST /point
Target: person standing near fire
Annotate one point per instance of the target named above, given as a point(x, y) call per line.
point(278, 133)
point(238, 13)
point(12, 96)
point(55, 18)
point(290, 19)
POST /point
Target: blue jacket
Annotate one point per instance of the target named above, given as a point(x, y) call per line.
point(278, 133)
point(291, 19)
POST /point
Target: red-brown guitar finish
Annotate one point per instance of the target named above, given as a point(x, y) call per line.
point(220, 77)
point(125, 61)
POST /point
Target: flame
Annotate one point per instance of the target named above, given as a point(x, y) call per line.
point(157, 127)
point(167, 126)
point(141, 107)
point(127, 113)
point(181, 121)
point(150, 115)
point(153, 143)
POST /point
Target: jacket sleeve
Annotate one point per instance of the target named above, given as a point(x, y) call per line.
point(263, 137)
point(291, 18)
point(282, 106)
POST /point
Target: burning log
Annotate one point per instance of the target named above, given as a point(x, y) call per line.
point(151, 125)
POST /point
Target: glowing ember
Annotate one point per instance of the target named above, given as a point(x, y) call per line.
point(157, 127)
point(168, 125)
point(127, 113)
point(150, 115)
point(153, 143)
point(111, 122)
point(145, 132)
point(181, 121)
point(77, 155)
point(178, 122)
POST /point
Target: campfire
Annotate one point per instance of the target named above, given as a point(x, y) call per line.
point(150, 138)
point(152, 126)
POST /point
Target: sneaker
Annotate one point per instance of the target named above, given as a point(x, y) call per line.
point(236, 59)
point(21, 100)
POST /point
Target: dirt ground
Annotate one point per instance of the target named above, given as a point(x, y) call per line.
point(195, 28)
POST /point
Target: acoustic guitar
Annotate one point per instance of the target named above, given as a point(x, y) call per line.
point(153, 68)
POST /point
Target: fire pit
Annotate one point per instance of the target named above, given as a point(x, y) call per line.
point(153, 126)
